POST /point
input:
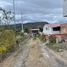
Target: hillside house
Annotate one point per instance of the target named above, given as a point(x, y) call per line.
point(56, 30)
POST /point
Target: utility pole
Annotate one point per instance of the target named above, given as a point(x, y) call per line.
point(22, 22)
point(14, 14)
point(14, 9)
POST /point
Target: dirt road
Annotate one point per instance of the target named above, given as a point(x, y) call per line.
point(54, 59)
point(33, 54)
point(35, 58)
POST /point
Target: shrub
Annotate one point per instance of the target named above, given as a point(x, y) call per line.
point(56, 47)
point(3, 49)
point(7, 40)
point(42, 38)
point(52, 39)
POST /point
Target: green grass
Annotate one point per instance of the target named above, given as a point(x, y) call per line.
point(34, 38)
point(56, 47)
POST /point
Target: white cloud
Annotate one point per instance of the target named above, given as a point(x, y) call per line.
point(4, 4)
point(51, 18)
point(36, 10)
point(18, 16)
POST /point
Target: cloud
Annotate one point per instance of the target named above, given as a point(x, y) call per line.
point(4, 4)
point(51, 18)
point(35, 6)
point(36, 10)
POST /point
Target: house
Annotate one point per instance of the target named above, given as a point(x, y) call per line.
point(34, 31)
point(55, 30)
point(34, 26)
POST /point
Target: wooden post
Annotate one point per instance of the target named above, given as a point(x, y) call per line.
point(57, 40)
point(48, 40)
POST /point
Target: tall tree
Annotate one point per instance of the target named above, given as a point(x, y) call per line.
point(6, 17)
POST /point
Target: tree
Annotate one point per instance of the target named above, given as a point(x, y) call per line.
point(26, 30)
point(6, 17)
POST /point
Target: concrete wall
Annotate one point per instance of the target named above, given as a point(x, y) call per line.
point(48, 30)
point(64, 30)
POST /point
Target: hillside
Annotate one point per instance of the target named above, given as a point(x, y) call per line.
point(34, 25)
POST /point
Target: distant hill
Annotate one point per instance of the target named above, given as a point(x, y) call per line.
point(18, 27)
point(34, 25)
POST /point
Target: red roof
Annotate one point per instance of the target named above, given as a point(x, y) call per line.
point(64, 24)
point(55, 25)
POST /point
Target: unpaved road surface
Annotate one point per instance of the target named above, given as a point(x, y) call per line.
point(33, 54)
point(18, 58)
point(35, 58)
point(54, 59)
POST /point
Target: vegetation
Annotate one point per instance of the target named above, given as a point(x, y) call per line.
point(52, 39)
point(34, 38)
point(26, 30)
point(42, 38)
point(6, 17)
point(7, 42)
point(8, 33)
point(34, 25)
point(21, 37)
point(56, 47)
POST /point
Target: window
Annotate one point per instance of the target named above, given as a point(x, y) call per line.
point(46, 28)
point(56, 28)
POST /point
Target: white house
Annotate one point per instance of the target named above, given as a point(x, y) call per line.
point(59, 31)
point(50, 29)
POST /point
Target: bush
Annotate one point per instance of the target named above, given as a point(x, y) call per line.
point(3, 49)
point(52, 39)
point(56, 47)
point(42, 38)
point(7, 40)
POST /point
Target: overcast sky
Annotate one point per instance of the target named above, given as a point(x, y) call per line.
point(36, 10)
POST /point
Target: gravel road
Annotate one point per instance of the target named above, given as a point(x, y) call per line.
point(54, 60)
point(33, 54)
